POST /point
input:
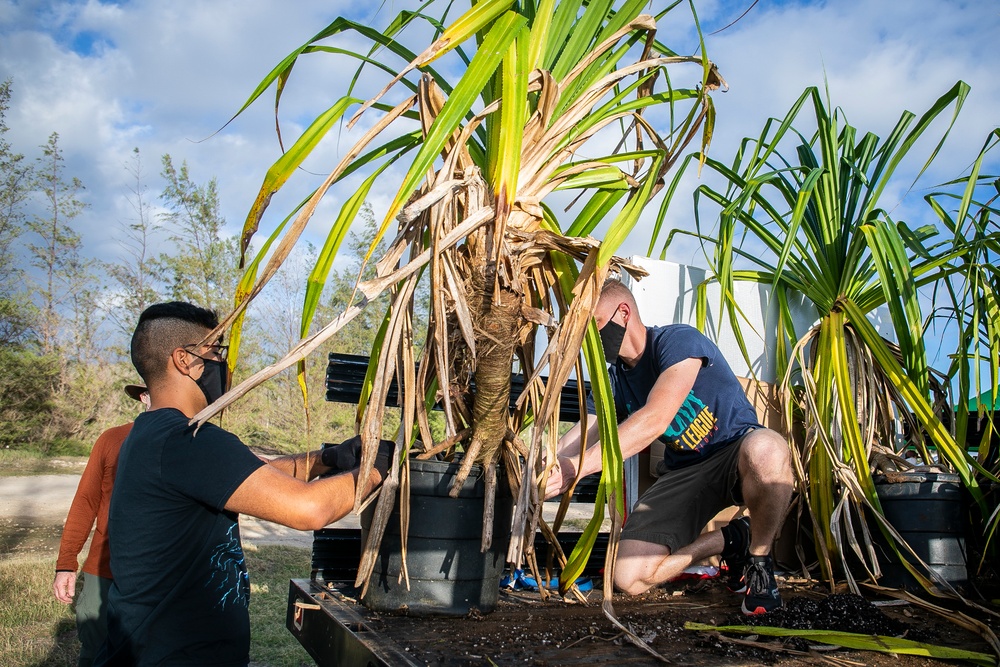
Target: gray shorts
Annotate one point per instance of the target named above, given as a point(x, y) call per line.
point(681, 502)
point(92, 616)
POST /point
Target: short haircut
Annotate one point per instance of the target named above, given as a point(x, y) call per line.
point(613, 288)
point(162, 328)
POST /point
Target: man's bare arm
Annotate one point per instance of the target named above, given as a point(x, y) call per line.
point(569, 450)
point(635, 433)
point(300, 466)
point(273, 495)
point(664, 401)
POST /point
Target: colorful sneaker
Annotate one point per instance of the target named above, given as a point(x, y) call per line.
point(736, 552)
point(762, 589)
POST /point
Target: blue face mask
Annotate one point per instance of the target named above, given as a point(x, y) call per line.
point(612, 335)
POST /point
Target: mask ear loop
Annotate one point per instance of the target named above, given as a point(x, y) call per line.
point(184, 367)
point(192, 354)
point(626, 314)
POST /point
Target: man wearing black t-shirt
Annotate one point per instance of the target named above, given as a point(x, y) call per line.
point(181, 592)
point(671, 384)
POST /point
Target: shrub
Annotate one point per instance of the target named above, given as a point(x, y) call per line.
point(28, 383)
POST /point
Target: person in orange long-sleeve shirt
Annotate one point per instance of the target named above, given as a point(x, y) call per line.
point(93, 495)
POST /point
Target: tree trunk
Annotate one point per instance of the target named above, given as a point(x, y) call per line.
point(497, 321)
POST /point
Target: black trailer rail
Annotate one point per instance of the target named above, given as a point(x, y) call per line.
point(334, 633)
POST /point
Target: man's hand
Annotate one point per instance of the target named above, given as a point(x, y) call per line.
point(347, 455)
point(383, 460)
point(64, 586)
point(560, 477)
point(344, 456)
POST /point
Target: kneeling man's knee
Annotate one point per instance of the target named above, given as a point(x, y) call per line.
point(766, 451)
point(628, 583)
point(636, 566)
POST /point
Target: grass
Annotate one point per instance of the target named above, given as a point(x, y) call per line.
point(36, 630)
point(270, 569)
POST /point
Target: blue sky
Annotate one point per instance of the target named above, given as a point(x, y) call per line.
point(164, 76)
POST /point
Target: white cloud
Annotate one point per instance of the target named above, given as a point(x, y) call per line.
point(878, 59)
point(164, 76)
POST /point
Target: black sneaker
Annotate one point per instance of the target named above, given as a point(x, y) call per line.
point(762, 589)
point(736, 553)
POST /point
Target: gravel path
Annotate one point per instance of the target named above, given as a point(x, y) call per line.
point(33, 509)
point(41, 499)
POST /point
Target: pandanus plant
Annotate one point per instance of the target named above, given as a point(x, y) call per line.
point(804, 212)
point(968, 213)
point(549, 96)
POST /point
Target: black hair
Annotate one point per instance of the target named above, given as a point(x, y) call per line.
point(164, 327)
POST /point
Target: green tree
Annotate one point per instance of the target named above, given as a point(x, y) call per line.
point(203, 268)
point(57, 255)
point(84, 316)
point(15, 322)
point(28, 385)
point(135, 273)
point(16, 178)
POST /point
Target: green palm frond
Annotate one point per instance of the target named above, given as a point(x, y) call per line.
point(879, 643)
point(804, 214)
point(967, 209)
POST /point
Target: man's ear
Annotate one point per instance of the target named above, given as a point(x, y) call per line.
point(626, 312)
point(179, 359)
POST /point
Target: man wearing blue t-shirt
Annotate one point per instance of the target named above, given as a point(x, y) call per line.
point(671, 384)
point(181, 592)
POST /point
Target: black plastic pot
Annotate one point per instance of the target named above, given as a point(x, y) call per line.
point(929, 511)
point(448, 573)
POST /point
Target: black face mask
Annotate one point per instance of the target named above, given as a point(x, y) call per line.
point(213, 379)
point(612, 335)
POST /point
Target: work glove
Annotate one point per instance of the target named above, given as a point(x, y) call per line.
point(344, 456)
point(347, 455)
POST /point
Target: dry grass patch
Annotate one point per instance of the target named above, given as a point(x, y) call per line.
point(270, 569)
point(37, 630)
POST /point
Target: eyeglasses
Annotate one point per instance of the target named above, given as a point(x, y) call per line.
point(218, 352)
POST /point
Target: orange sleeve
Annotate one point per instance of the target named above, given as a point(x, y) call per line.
point(83, 510)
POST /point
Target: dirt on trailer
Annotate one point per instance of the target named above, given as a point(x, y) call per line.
point(524, 630)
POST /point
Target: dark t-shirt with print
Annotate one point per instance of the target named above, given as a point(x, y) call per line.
point(715, 412)
point(180, 592)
